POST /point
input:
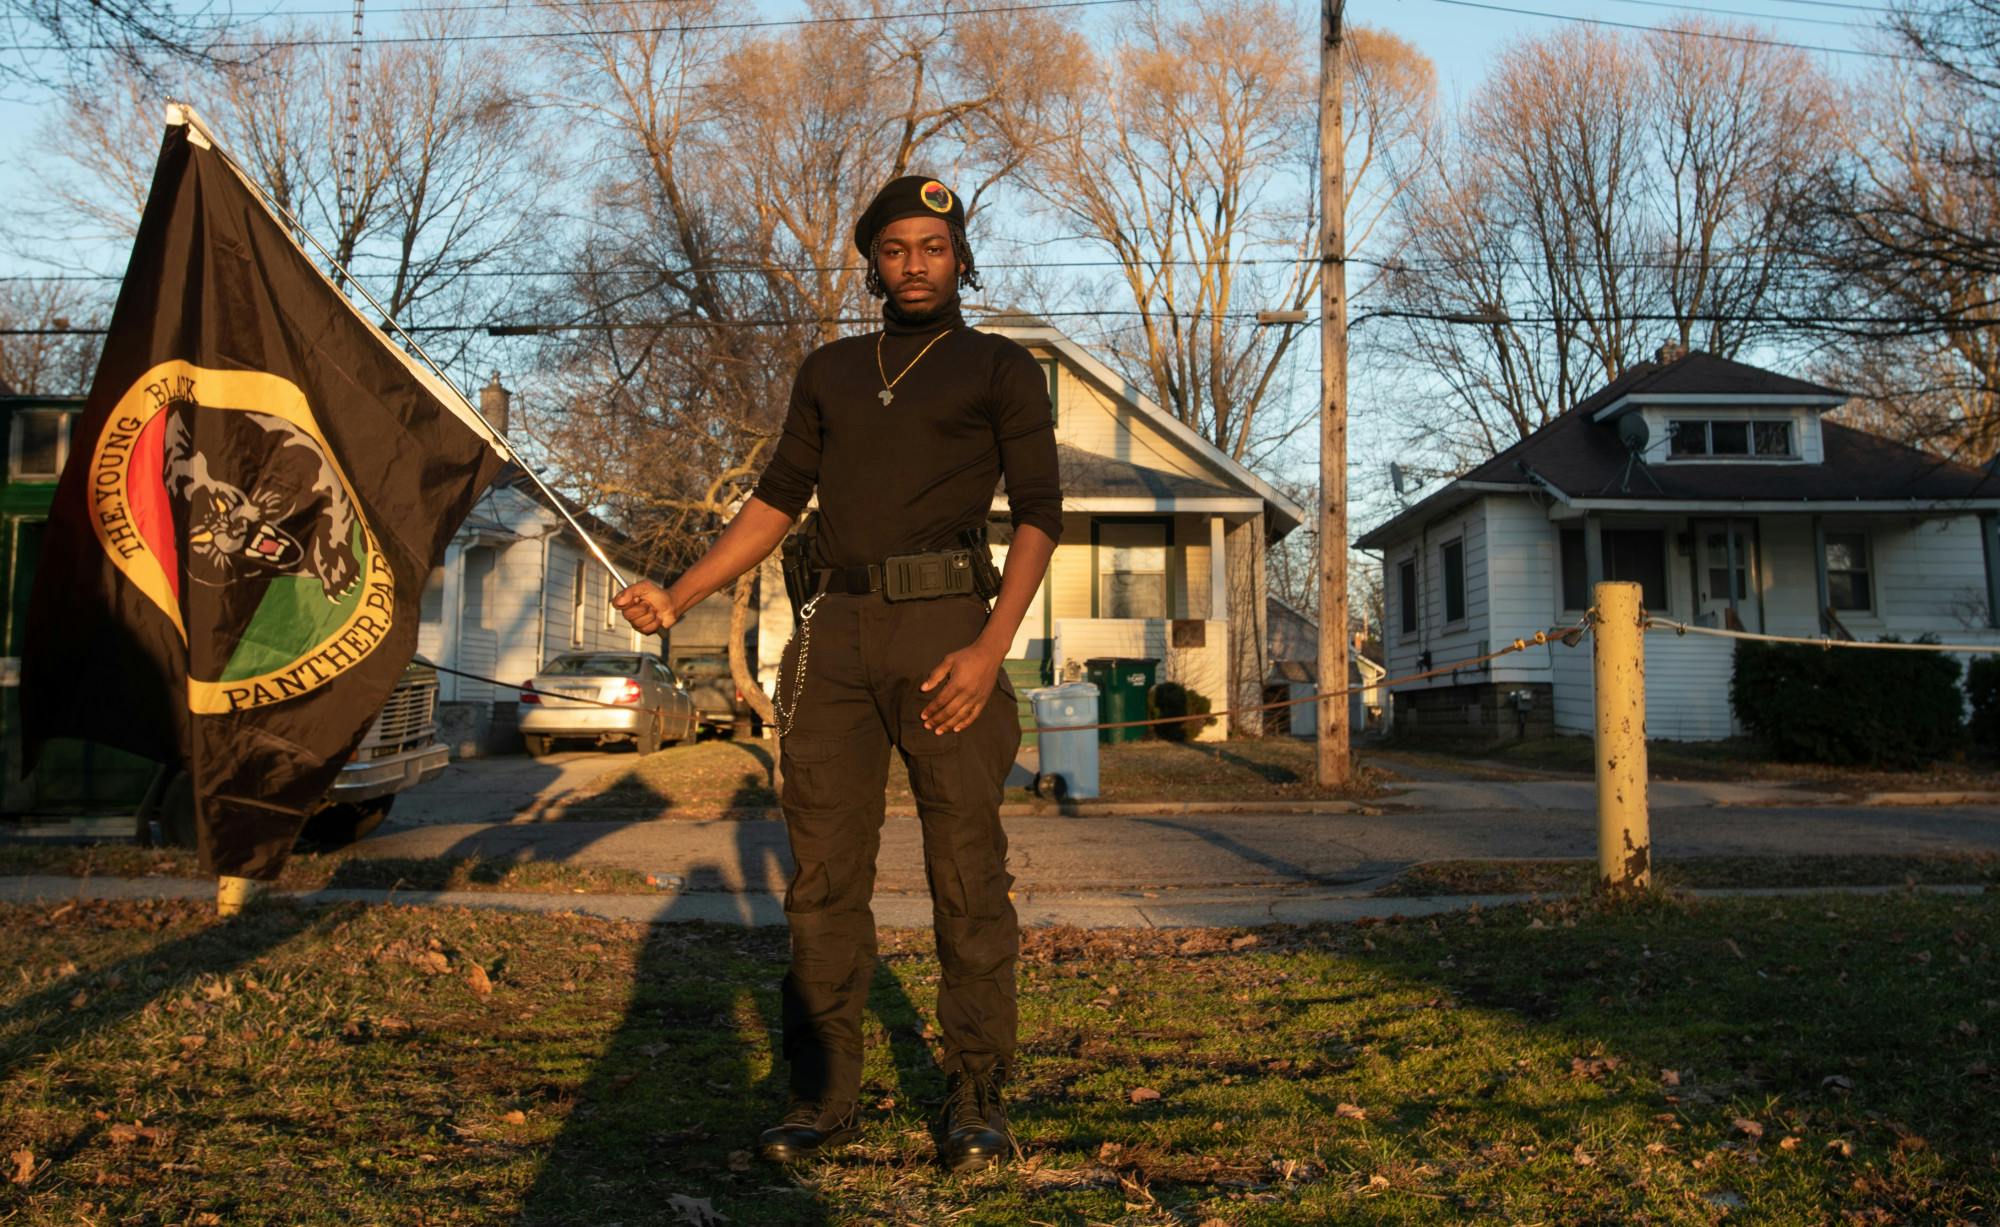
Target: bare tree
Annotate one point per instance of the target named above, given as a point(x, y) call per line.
point(43, 357)
point(447, 179)
point(1189, 153)
point(718, 253)
point(1601, 194)
point(1910, 225)
point(50, 42)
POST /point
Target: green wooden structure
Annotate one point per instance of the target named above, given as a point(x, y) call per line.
point(74, 777)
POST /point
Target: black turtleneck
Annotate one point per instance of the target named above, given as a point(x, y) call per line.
point(908, 476)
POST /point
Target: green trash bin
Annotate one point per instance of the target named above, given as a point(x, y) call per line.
point(1124, 682)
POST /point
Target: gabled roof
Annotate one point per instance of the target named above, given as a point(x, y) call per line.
point(1281, 514)
point(1579, 458)
point(1698, 375)
point(512, 476)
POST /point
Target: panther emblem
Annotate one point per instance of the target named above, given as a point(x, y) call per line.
point(293, 519)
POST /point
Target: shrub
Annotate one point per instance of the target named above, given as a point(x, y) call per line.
point(1982, 687)
point(1852, 708)
point(1173, 699)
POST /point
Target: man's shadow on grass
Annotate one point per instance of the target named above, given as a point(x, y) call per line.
point(692, 1072)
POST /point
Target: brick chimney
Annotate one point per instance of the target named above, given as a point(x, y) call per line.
point(1672, 351)
point(493, 402)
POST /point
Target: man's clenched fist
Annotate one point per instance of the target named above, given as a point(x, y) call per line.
point(647, 607)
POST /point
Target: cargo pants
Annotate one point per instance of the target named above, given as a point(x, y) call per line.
point(860, 696)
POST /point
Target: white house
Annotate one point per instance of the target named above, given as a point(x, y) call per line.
point(517, 588)
point(1723, 492)
point(1293, 652)
point(1162, 552)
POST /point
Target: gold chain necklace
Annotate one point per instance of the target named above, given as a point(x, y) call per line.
point(888, 383)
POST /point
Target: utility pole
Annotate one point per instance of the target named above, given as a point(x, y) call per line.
point(1334, 767)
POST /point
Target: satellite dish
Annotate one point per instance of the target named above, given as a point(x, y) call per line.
point(1634, 433)
point(1396, 475)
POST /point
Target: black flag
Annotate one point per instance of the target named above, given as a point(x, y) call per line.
point(258, 487)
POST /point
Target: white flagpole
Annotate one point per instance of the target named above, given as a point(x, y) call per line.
point(179, 114)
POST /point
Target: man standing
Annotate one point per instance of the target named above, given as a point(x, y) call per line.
point(904, 433)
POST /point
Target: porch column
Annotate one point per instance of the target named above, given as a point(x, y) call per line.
point(1218, 571)
point(450, 616)
point(1819, 569)
point(1593, 551)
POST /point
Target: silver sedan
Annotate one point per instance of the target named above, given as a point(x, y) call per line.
point(606, 697)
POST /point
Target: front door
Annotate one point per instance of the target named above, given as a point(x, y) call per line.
point(1726, 564)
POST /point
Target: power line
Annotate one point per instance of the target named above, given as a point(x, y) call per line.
point(515, 35)
point(1704, 10)
point(1710, 34)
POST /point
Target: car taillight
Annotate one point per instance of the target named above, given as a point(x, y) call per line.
point(528, 694)
point(739, 696)
point(629, 693)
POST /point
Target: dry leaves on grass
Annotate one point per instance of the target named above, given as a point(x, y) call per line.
point(1592, 1067)
point(695, 1211)
point(516, 1117)
point(478, 980)
point(127, 1135)
point(1145, 1094)
point(1747, 1127)
point(24, 1166)
point(432, 961)
point(1350, 1111)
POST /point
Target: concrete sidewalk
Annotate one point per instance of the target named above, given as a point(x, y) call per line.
point(1288, 851)
point(1115, 910)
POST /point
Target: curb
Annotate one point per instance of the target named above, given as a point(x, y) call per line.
point(1110, 910)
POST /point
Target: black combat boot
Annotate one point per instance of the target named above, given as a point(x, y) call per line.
point(973, 1133)
point(809, 1126)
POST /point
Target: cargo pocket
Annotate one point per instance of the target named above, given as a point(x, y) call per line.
point(812, 774)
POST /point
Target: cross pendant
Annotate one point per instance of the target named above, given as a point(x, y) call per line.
point(886, 395)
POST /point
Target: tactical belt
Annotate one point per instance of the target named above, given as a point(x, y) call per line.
point(908, 577)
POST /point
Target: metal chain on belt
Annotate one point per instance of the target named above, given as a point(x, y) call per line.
point(803, 637)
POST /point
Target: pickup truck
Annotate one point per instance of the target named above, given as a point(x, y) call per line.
point(719, 705)
point(400, 751)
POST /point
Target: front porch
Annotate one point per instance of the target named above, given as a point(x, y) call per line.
point(1808, 574)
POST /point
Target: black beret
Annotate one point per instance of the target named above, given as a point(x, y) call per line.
point(908, 196)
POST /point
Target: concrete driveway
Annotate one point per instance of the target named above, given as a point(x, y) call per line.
point(503, 789)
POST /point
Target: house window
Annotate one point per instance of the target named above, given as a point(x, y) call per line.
point(476, 595)
point(1049, 369)
point(1132, 570)
point(1575, 570)
point(1638, 556)
point(430, 608)
point(1452, 559)
point(1406, 591)
point(40, 443)
point(1848, 575)
point(576, 613)
point(1730, 438)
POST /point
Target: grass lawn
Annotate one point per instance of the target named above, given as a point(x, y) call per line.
point(708, 778)
point(1734, 759)
point(1822, 1060)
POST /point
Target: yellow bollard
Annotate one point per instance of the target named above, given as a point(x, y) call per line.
point(1624, 835)
point(231, 894)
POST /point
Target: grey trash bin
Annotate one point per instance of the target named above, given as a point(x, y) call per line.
point(1069, 759)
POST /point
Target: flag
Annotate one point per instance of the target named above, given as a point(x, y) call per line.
point(258, 487)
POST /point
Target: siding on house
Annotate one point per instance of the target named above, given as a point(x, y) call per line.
point(1445, 643)
point(1089, 418)
point(1524, 573)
